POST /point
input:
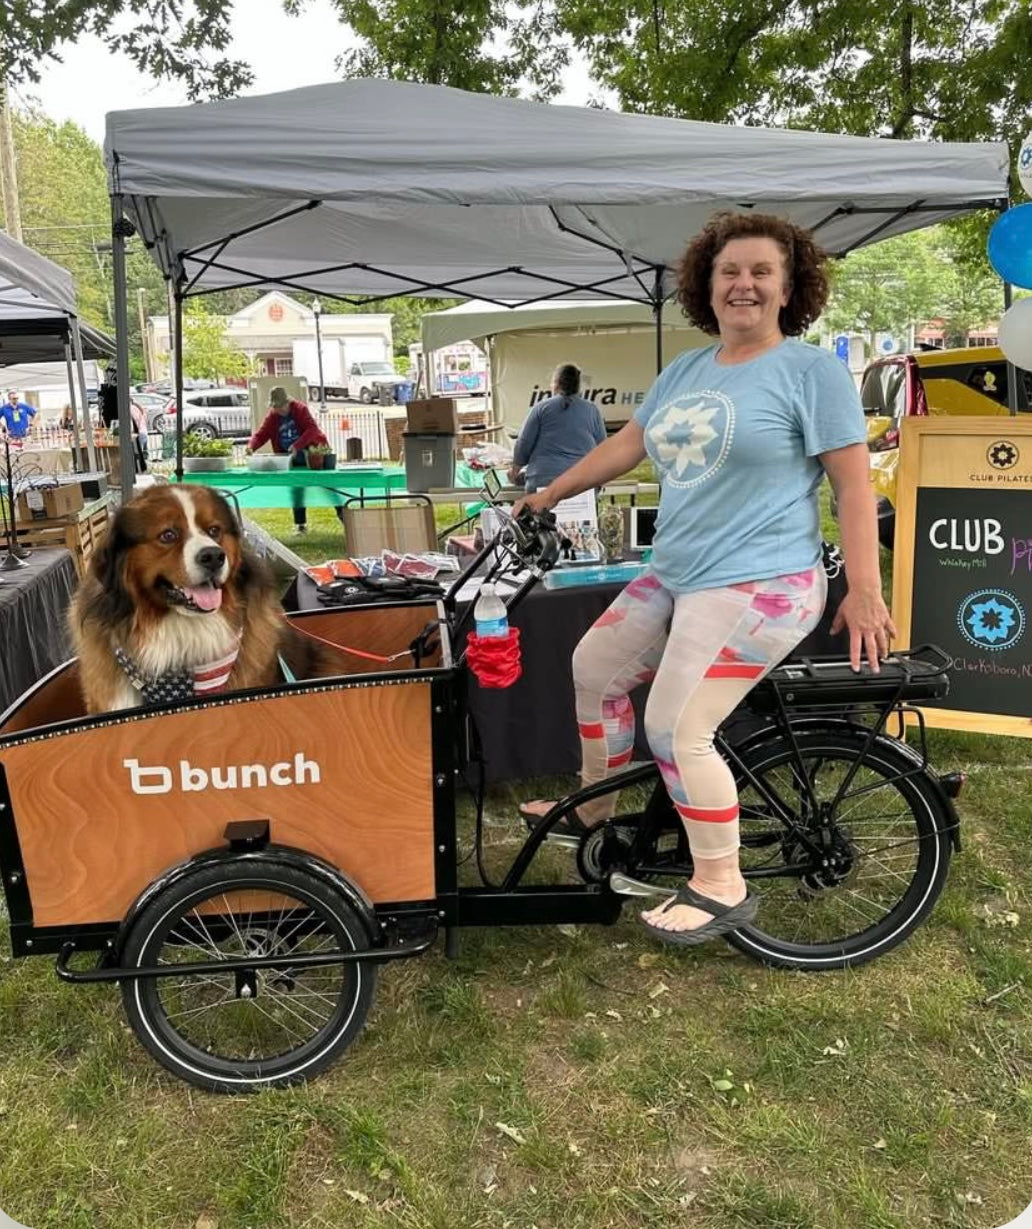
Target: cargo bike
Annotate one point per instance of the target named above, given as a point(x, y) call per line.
point(245, 863)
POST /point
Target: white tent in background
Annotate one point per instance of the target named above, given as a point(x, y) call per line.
point(375, 188)
point(613, 342)
point(39, 321)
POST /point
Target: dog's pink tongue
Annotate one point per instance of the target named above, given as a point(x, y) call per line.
point(207, 597)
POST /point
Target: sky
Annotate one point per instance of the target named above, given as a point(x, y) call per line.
point(285, 52)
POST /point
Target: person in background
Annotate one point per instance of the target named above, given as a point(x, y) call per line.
point(67, 420)
point(16, 416)
point(557, 432)
point(742, 434)
point(290, 428)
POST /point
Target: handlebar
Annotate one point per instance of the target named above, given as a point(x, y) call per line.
point(530, 541)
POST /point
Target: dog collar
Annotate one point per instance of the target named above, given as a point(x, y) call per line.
point(202, 680)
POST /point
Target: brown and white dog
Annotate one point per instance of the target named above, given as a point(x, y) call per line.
point(174, 605)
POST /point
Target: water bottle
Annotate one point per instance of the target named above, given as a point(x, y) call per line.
point(489, 613)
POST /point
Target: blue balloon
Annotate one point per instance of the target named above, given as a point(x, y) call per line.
point(1010, 246)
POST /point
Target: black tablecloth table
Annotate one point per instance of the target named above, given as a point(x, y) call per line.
point(530, 729)
point(33, 602)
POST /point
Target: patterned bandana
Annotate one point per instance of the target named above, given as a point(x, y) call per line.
point(179, 684)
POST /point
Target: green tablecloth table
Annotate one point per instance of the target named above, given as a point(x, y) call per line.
point(323, 488)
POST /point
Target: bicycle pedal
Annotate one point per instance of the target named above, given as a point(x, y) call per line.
point(564, 839)
point(624, 885)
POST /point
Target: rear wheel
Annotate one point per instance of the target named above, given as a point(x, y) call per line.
point(883, 861)
point(252, 1028)
point(158, 424)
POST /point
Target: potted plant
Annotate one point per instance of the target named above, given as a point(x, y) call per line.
point(200, 454)
point(321, 456)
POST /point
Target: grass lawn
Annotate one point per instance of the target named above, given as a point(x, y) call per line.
point(578, 1078)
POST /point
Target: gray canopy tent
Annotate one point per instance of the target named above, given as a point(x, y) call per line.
point(39, 323)
point(364, 189)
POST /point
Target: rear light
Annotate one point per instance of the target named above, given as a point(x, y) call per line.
point(953, 783)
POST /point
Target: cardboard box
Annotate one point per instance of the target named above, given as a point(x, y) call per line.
point(435, 416)
point(49, 503)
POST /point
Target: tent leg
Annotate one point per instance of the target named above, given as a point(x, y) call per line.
point(73, 402)
point(122, 229)
point(81, 371)
point(657, 311)
point(178, 374)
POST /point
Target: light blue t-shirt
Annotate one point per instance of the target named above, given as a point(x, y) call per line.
point(736, 447)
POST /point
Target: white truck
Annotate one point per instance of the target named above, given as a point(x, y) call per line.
point(306, 364)
point(365, 377)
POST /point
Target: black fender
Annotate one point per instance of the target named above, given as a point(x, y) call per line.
point(842, 725)
point(269, 856)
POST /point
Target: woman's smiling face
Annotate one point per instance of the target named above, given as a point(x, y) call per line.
point(749, 287)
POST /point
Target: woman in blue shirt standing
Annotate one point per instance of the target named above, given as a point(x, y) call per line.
point(557, 433)
point(742, 434)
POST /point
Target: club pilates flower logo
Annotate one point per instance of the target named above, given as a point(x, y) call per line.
point(689, 438)
point(1003, 454)
point(991, 619)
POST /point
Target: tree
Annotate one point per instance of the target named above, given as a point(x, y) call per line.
point(939, 69)
point(889, 287)
point(66, 216)
point(169, 39)
point(489, 46)
point(205, 352)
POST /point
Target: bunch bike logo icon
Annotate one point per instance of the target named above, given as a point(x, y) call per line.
point(1003, 454)
point(991, 619)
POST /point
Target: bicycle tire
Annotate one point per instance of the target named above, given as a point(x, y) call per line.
point(206, 914)
point(915, 867)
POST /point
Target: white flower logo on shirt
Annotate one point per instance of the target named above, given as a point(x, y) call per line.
point(687, 428)
point(680, 452)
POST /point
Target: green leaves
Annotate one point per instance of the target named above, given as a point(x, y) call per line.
point(171, 39)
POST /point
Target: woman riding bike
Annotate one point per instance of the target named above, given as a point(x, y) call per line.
point(742, 434)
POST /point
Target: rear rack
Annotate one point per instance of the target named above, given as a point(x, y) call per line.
point(908, 676)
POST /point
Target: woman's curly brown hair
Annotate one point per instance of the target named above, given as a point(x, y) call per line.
point(805, 268)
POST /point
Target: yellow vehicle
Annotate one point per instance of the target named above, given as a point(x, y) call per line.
point(969, 381)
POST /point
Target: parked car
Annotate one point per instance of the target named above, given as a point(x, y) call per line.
point(155, 406)
point(364, 377)
point(971, 380)
point(212, 413)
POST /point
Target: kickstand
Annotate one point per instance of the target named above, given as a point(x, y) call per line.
point(451, 942)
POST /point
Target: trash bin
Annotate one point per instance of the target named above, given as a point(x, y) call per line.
point(429, 461)
point(353, 448)
point(384, 394)
point(403, 393)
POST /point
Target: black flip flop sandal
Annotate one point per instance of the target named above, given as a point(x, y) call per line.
point(726, 918)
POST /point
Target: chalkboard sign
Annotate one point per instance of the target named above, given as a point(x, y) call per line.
point(963, 566)
point(973, 594)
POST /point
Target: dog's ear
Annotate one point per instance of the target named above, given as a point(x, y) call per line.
point(109, 598)
point(255, 579)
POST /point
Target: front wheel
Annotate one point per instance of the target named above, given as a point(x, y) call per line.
point(885, 855)
point(250, 1028)
point(365, 396)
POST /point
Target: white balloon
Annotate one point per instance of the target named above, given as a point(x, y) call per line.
point(1015, 333)
point(1025, 164)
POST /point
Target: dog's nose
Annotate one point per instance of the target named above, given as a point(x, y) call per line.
point(211, 558)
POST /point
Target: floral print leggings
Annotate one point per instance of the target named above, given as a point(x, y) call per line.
point(703, 652)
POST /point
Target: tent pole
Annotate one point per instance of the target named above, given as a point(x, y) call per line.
point(87, 426)
point(73, 402)
point(657, 311)
point(177, 355)
point(122, 229)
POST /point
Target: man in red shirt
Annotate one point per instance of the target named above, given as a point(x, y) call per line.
point(290, 428)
